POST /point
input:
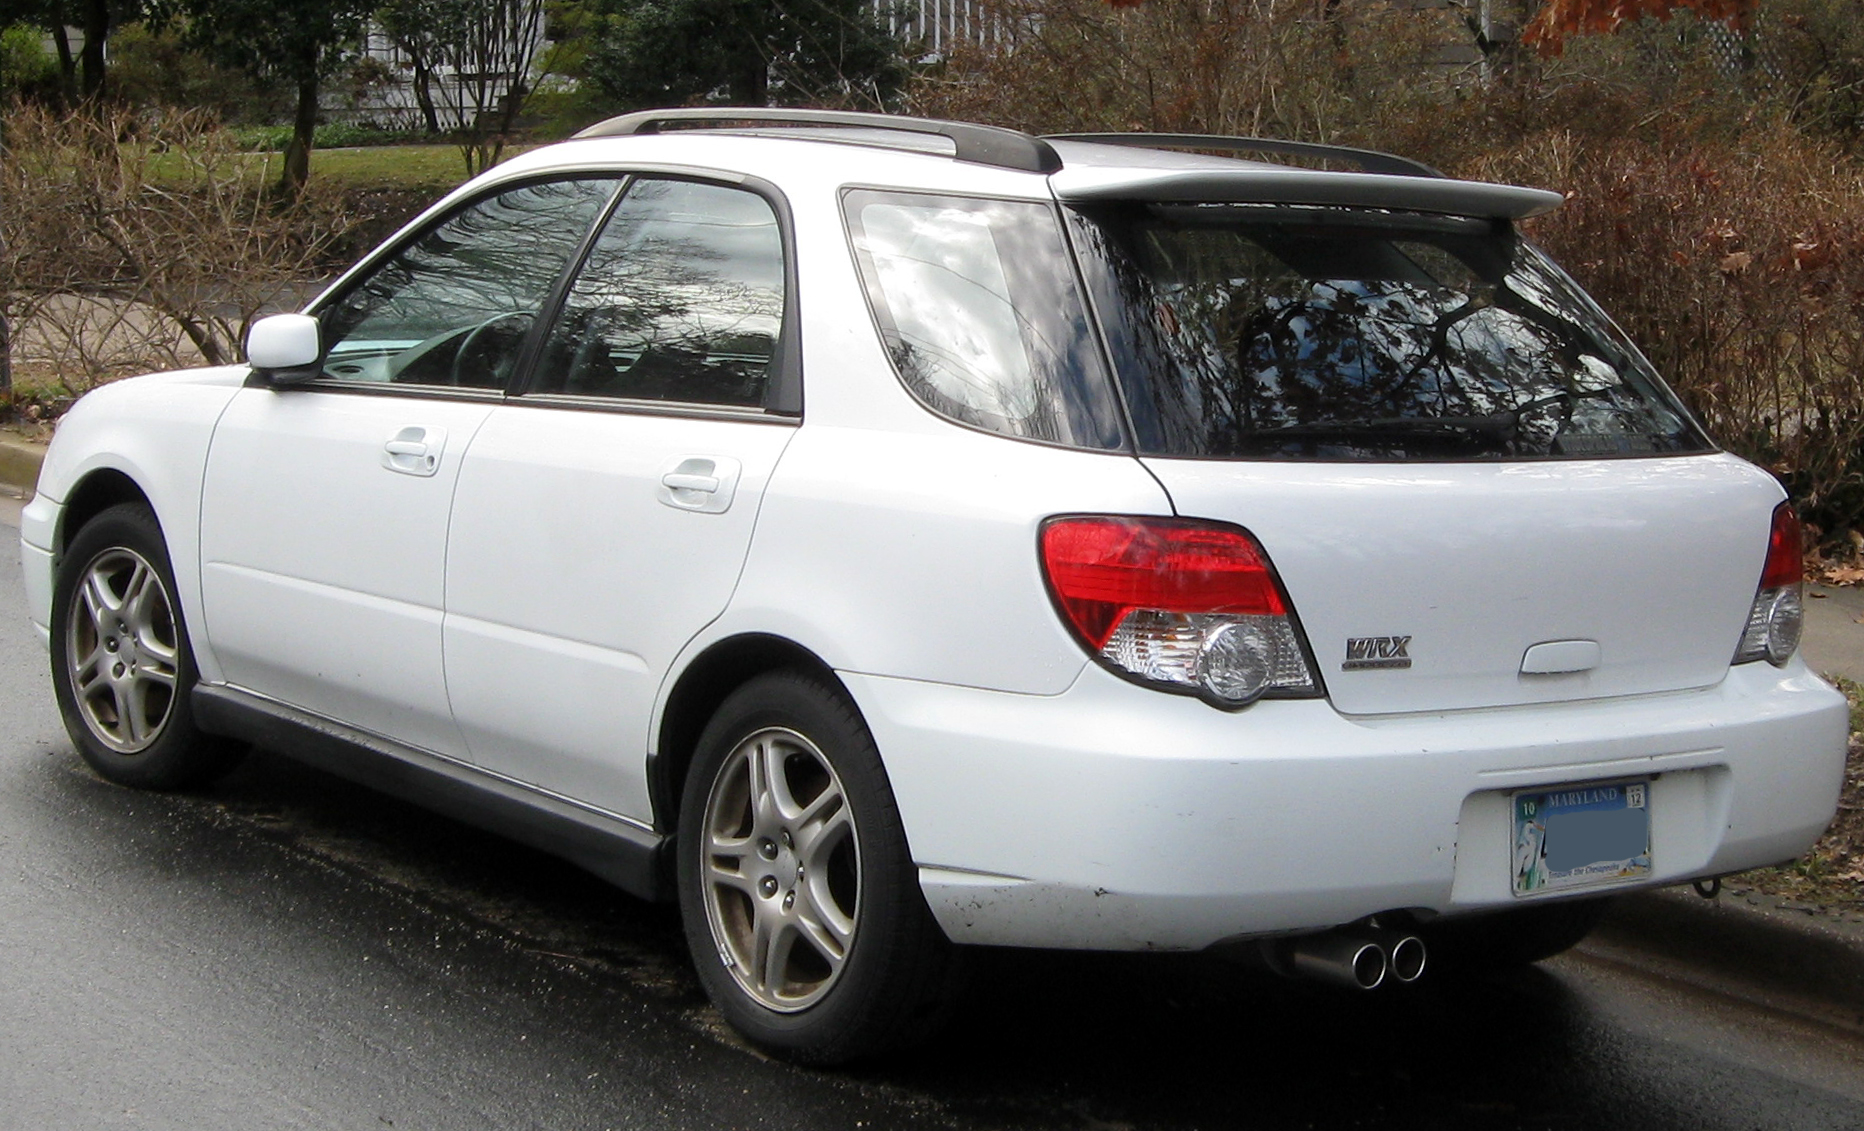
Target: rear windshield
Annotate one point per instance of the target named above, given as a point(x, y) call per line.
point(1256, 332)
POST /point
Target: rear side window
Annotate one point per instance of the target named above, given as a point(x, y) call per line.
point(977, 303)
point(681, 299)
point(1253, 332)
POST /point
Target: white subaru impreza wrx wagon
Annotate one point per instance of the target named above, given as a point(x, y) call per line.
point(883, 535)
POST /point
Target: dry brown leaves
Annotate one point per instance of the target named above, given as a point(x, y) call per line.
point(1832, 874)
point(1559, 19)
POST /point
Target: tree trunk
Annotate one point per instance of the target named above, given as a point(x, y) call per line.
point(510, 107)
point(96, 32)
point(303, 133)
point(67, 66)
point(424, 94)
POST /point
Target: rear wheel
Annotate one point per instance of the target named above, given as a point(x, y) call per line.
point(801, 902)
point(121, 665)
point(1515, 937)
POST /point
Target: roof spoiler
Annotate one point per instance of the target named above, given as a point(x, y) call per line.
point(1275, 184)
point(1368, 160)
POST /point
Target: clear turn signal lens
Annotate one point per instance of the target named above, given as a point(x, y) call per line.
point(1181, 604)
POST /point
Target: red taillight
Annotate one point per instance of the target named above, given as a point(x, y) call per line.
point(1785, 565)
point(1777, 616)
point(1103, 568)
point(1177, 603)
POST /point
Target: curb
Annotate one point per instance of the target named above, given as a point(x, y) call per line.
point(1806, 963)
point(19, 464)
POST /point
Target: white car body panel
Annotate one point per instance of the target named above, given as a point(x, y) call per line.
point(38, 533)
point(1655, 560)
point(929, 571)
point(1114, 817)
point(571, 585)
point(155, 430)
point(323, 558)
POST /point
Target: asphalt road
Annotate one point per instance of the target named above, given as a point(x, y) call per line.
point(285, 950)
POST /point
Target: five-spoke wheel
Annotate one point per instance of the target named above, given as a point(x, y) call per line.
point(123, 649)
point(121, 666)
point(801, 901)
point(782, 869)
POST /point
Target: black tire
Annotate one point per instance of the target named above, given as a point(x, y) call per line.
point(825, 1000)
point(123, 686)
point(1517, 937)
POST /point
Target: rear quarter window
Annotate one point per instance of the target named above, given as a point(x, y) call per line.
point(981, 314)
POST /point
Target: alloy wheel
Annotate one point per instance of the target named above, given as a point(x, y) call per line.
point(123, 650)
point(780, 872)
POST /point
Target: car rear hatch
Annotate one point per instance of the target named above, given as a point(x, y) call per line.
point(1447, 576)
point(1474, 489)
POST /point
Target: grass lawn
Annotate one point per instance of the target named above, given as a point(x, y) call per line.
point(437, 167)
point(430, 168)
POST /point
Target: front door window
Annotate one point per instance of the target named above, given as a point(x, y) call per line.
point(452, 307)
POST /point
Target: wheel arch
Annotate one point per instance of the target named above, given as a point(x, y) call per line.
point(714, 674)
point(98, 491)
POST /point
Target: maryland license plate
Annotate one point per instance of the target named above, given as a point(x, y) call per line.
point(1575, 836)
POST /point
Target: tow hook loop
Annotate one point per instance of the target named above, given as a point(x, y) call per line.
point(1709, 888)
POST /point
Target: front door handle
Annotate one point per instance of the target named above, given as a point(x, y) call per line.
point(414, 450)
point(681, 481)
point(703, 484)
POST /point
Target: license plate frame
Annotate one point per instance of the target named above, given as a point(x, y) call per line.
point(1580, 835)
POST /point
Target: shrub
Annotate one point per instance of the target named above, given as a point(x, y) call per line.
point(1739, 269)
point(130, 243)
point(25, 67)
point(1712, 207)
point(331, 135)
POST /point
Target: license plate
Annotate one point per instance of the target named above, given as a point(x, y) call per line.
point(1574, 836)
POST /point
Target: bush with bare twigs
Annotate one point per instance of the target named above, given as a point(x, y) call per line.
point(1716, 220)
point(136, 242)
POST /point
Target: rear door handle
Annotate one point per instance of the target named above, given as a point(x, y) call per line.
point(702, 484)
point(414, 450)
point(682, 481)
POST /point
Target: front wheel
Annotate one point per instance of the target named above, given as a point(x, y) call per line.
point(122, 668)
point(801, 903)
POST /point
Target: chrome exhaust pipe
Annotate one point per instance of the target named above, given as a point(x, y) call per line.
point(1342, 958)
point(1405, 956)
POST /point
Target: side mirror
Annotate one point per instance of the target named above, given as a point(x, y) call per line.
point(285, 349)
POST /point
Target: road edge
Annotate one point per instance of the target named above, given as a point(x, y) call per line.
point(1809, 963)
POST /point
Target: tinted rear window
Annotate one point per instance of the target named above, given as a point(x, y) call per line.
point(1251, 332)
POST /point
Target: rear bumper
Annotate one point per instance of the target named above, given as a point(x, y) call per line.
point(1114, 817)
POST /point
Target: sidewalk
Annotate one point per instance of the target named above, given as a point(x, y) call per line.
point(1757, 949)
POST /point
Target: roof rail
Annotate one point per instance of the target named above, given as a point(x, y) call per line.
point(982, 145)
point(1368, 160)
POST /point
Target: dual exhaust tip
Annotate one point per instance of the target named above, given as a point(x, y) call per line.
point(1354, 959)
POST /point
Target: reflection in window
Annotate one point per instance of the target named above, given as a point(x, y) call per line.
point(453, 307)
point(681, 300)
point(978, 306)
point(1246, 331)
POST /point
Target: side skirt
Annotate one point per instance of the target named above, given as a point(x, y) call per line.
point(633, 858)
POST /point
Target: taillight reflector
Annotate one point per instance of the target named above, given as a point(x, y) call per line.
point(1102, 568)
point(1785, 564)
